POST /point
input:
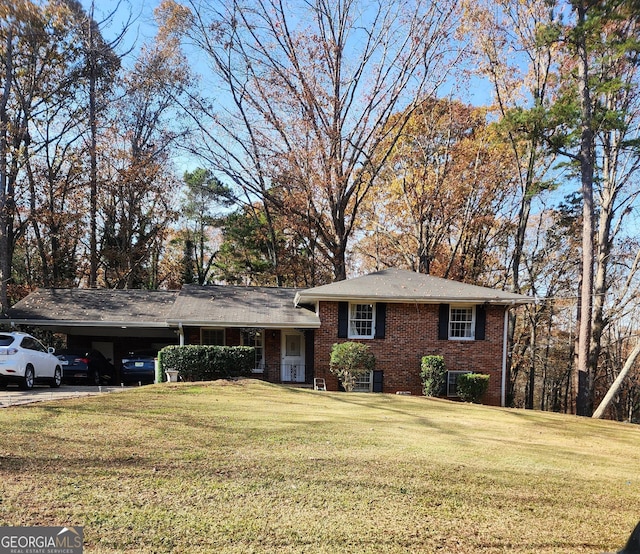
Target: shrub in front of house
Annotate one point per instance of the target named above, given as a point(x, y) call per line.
point(434, 376)
point(471, 386)
point(349, 361)
point(208, 363)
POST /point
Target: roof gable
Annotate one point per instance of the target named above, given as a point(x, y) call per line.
point(399, 285)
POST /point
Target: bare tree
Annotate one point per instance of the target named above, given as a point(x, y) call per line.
point(309, 86)
point(520, 68)
point(38, 72)
point(8, 33)
point(136, 200)
point(17, 20)
point(602, 54)
point(616, 190)
point(102, 65)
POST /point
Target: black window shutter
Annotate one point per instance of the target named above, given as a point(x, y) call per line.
point(481, 322)
point(343, 320)
point(443, 322)
point(378, 382)
point(381, 320)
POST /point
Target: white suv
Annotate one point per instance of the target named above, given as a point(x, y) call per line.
point(25, 360)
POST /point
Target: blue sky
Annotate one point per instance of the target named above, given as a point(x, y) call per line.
point(142, 29)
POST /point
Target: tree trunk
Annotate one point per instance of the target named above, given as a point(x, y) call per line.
point(615, 387)
point(584, 369)
point(5, 258)
point(532, 366)
point(93, 167)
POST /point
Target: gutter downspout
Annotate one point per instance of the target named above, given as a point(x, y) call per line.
point(505, 333)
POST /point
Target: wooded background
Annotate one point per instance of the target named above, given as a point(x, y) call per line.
point(296, 143)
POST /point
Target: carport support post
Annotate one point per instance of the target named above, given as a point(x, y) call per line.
point(158, 370)
point(505, 353)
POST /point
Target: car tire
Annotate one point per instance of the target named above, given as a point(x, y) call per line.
point(3, 383)
point(27, 380)
point(57, 378)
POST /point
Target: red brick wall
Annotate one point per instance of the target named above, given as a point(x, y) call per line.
point(272, 341)
point(411, 333)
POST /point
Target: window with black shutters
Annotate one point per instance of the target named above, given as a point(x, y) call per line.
point(462, 322)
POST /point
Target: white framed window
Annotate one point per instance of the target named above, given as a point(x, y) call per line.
point(255, 338)
point(462, 322)
point(452, 382)
point(362, 320)
point(364, 383)
point(211, 336)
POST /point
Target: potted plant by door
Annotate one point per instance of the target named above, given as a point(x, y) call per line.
point(172, 375)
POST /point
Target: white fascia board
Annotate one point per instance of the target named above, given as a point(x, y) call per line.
point(65, 323)
point(250, 324)
point(412, 300)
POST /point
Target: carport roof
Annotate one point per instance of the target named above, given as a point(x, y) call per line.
point(211, 305)
point(94, 307)
point(236, 306)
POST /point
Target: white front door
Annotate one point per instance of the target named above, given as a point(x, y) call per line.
point(292, 369)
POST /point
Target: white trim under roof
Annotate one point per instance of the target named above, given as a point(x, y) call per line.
point(90, 323)
point(248, 324)
point(302, 299)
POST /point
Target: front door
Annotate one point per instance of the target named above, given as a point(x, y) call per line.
point(292, 369)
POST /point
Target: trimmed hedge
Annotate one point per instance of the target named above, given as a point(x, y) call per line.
point(471, 386)
point(208, 363)
point(434, 376)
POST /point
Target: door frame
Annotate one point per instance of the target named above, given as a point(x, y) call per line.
point(297, 362)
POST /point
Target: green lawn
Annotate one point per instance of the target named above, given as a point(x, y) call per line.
point(251, 467)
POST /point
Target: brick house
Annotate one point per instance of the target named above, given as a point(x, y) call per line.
point(404, 316)
point(400, 314)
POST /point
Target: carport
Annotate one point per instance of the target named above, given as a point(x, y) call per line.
point(115, 322)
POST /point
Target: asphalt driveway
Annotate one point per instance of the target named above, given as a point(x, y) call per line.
point(12, 396)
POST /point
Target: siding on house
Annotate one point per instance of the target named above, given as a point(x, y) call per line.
point(411, 332)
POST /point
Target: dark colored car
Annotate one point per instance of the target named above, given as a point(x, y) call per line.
point(139, 367)
point(90, 367)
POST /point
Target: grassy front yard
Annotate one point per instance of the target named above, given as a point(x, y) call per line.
point(251, 467)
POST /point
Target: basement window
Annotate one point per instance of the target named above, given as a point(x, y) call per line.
point(364, 383)
point(452, 382)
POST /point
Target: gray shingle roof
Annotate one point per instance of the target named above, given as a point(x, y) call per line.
point(104, 307)
point(399, 285)
point(229, 306)
point(217, 305)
